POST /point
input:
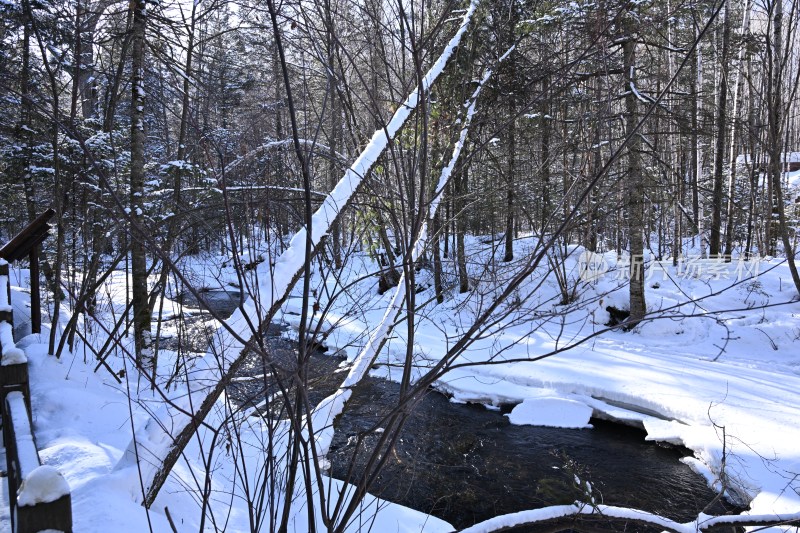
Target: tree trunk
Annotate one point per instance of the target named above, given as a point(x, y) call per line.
point(546, 123)
point(634, 186)
point(737, 84)
point(459, 191)
point(335, 135)
point(697, 157)
point(436, 230)
point(139, 291)
point(721, 127)
point(775, 133)
point(511, 169)
point(25, 126)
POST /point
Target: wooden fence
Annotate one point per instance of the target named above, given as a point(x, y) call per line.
point(39, 495)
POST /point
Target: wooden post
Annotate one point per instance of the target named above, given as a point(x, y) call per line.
point(6, 271)
point(7, 316)
point(36, 303)
point(26, 243)
point(47, 516)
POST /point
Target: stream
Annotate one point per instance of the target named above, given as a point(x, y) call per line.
point(465, 463)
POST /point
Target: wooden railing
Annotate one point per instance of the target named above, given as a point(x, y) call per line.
point(39, 495)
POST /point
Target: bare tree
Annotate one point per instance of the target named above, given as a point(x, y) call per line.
point(287, 271)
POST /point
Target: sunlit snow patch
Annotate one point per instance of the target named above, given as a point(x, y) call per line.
point(551, 412)
point(44, 484)
point(670, 431)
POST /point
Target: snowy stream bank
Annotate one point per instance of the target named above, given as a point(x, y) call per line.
point(733, 365)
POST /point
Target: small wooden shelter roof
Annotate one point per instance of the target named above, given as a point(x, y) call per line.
point(34, 233)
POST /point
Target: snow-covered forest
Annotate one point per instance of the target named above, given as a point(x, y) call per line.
point(568, 212)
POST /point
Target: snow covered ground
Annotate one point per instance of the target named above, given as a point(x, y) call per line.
point(720, 375)
point(717, 370)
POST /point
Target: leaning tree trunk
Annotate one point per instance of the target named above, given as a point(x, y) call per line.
point(170, 429)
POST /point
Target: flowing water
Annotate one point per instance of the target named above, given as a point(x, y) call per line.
point(465, 463)
point(223, 302)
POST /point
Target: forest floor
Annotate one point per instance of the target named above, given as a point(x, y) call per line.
point(716, 370)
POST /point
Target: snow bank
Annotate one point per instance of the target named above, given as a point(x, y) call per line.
point(657, 379)
point(562, 511)
point(551, 411)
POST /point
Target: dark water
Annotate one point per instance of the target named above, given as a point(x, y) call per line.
point(322, 378)
point(465, 464)
point(194, 335)
point(196, 325)
point(223, 302)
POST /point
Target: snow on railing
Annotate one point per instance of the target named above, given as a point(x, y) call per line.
point(11, 354)
point(39, 496)
point(13, 363)
point(5, 296)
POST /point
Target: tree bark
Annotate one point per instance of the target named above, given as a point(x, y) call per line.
point(139, 290)
point(737, 84)
point(459, 193)
point(634, 186)
point(697, 157)
point(546, 123)
point(775, 132)
point(25, 126)
point(335, 134)
point(721, 127)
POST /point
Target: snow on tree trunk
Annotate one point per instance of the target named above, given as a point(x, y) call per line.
point(139, 290)
point(332, 406)
point(158, 444)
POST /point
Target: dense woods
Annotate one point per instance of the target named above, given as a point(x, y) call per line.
point(166, 130)
point(169, 110)
point(159, 115)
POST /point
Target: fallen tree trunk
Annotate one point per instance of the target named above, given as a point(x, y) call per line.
point(156, 447)
point(331, 407)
